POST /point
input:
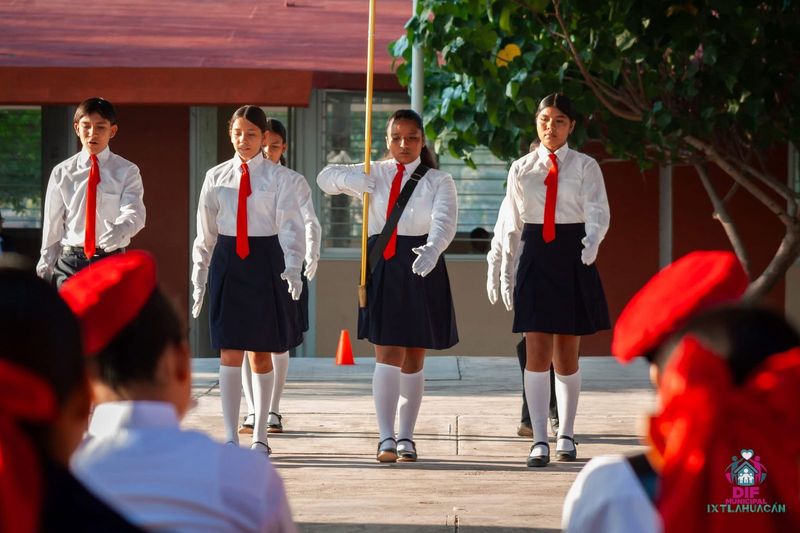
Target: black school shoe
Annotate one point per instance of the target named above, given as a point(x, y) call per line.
point(407, 455)
point(387, 454)
point(567, 455)
point(539, 460)
point(248, 425)
point(275, 428)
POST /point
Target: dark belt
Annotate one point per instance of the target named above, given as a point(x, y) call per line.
point(78, 251)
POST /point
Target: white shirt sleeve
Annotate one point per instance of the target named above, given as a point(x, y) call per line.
point(313, 229)
point(512, 219)
point(291, 233)
point(207, 232)
point(52, 223)
point(444, 215)
point(332, 179)
point(131, 206)
point(595, 203)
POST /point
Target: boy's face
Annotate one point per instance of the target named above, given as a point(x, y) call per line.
point(94, 132)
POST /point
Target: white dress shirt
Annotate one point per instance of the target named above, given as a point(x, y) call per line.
point(607, 496)
point(581, 194)
point(164, 479)
point(432, 208)
point(120, 200)
point(273, 208)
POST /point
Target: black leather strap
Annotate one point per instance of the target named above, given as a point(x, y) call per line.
point(394, 216)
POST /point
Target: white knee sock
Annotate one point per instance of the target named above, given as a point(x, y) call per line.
point(568, 390)
point(385, 393)
point(262, 390)
point(537, 392)
point(411, 389)
point(247, 385)
point(280, 363)
point(230, 389)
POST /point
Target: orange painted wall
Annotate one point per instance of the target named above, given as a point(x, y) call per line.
point(156, 138)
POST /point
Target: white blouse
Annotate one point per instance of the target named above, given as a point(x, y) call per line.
point(432, 208)
point(313, 231)
point(272, 209)
point(120, 199)
point(581, 194)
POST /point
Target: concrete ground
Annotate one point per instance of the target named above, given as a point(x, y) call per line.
point(471, 475)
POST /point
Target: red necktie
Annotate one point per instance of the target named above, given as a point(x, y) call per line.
point(551, 182)
point(391, 246)
point(242, 244)
point(91, 208)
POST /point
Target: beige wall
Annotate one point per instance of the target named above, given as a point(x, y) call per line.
point(792, 300)
point(483, 329)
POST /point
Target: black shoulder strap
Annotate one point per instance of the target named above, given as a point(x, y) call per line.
point(644, 473)
point(394, 216)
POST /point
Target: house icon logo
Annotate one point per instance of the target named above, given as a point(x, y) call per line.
point(746, 470)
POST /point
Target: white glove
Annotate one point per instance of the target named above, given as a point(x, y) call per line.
point(44, 271)
point(197, 296)
point(292, 277)
point(357, 181)
point(428, 256)
point(493, 282)
point(113, 237)
point(589, 252)
point(507, 281)
point(311, 267)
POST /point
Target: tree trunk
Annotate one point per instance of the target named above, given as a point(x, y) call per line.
point(788, 252)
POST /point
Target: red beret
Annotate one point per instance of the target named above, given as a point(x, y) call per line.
point(107, 295)
point(692, 284)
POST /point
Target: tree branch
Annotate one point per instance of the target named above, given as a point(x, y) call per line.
point(728, 225)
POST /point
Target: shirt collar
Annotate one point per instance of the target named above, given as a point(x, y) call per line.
point(561, 153)
point(102, 157)
point(409, 167)
point(253, 164)
point(112, 417)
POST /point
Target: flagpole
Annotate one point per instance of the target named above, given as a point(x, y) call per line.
point(362, 288)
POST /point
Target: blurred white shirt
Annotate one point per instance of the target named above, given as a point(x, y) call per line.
point(608, 497)
point(432, 208)
point(120, 199)
point(273, 208)
point(164, 479)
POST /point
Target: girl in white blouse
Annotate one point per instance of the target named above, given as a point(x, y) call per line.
point(274, 147)
point(557, 208)
point(410, 307)
point(250, 249)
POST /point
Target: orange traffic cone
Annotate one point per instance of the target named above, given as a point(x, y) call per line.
point(344, 353)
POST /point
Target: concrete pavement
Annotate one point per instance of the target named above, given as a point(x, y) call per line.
point(471, 475)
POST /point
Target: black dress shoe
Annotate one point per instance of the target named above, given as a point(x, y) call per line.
point(387, 454)
point(567, 455)
point(539, 460)
point(275, 428)
point(407, 455)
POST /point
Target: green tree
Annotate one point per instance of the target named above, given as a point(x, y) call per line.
point(20, 158)
point(657, 82)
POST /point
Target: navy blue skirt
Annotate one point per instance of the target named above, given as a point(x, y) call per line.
point(302, 305)
point(404, 309)
point(250, 305)
point(555, 292)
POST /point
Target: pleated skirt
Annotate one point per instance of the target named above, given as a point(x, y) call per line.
point(405, 309)
point(555, 292)
point(250, 306)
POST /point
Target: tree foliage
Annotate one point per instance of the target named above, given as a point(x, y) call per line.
point(20, 158)
point(656, 82)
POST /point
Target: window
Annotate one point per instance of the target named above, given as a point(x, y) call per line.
point(21, 166)
point(479, 191)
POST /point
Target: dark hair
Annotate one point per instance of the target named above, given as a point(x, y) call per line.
point(427, 158)
point(252, 113)
point(98, 105)
point(743, 336)
point(560, 102)
point(133, 355)
point(40, 333)
point(276, 126)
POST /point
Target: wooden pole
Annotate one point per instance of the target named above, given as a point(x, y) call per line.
point(362, 288)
